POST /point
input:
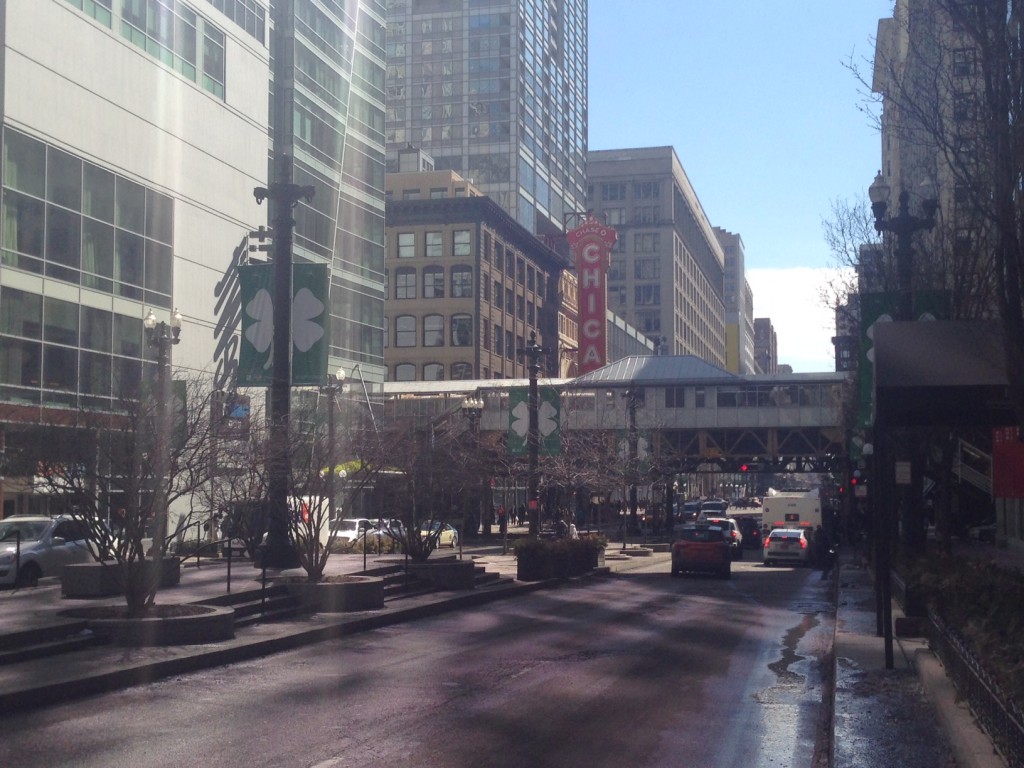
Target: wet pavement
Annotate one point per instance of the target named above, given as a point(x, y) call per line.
point(908, 717)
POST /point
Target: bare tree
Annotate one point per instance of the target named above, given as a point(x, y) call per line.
point(111, 483)
point(955, 103)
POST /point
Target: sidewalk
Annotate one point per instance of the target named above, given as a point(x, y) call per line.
point(906, 717)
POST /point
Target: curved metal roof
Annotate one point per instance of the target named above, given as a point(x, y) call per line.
point(656, 369)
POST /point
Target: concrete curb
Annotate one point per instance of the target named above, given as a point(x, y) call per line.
point(971, 746)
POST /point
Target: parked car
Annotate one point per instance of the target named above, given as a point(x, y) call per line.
point(702, 547)
point(733, 534)
point(349, 530)
point(446, 535)
point(787, 545)
point(47, 545)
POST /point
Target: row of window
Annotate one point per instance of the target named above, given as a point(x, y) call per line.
point(432, 372)
point(460, 283)
point(407, 334)
point(73, 221)
point(644, 190)
point(752, 396)
point(433, 244)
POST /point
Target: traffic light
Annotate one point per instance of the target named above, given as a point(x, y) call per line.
point(744, 467)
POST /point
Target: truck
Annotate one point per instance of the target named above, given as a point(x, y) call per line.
point(791, 509)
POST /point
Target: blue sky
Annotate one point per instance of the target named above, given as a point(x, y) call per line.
point(766, 120)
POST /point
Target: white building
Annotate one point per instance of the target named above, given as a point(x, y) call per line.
point(134, 133)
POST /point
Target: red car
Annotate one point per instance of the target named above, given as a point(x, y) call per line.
point(703, 548)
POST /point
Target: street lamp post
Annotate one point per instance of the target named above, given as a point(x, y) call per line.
point(903, 225)
point(472, 409)
point(533, 353)
point(162, 336)
point(334, 386)
point(632, 395)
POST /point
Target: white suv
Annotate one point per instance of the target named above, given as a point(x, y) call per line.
point(47, 545)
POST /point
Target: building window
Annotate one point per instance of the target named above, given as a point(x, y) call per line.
point(646, 242)
point(433, 331)
point(462, 282)
point(499, 295)
point(462, 331)
point(510, 347)
point(406, 245)
point(509, 301)
point(98, 9)
point(675, 397)
point(461, 242)
point(617, 270)
point(434, 242)
point(499, 340)
point(433, 372)
point(647, 269)
point(169, 31)
point(646, 190)
point(615, 216)
point(613, 191)
point(433, 283)
point(648, 322)
point(405, 331)
point(646, 214)
point(462, 371)
point(647, 295)
point(485, 335)
point(963, 62)
point(405, 283)
point(405, 372)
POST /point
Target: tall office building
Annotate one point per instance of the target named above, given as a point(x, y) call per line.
point(134, 134)
point(495, 90)
point(667, 269)
point(739, 305)
point(766, 345)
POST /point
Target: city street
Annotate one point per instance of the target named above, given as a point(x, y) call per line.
point(639, 668)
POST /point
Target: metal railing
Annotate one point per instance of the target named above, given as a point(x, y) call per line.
point(995, 711)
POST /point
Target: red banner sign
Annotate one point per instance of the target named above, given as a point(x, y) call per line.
point(591, 244)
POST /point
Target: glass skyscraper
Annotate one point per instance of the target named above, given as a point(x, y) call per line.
point(495, 90)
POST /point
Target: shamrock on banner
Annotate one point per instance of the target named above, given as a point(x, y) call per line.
point(310, 321)
point(548, 416)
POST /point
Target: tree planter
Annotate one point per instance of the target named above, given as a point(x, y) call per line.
point(353, 593)
point(185, 625)
point(83, 580)
point(445, 574)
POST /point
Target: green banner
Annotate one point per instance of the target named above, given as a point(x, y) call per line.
point(548, 417)
point(310, 324)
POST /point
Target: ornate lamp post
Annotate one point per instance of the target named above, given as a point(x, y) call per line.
point(472, 409)
point(903, 225)
point(634, 399)
point(533, 353)
point(334, 386)
point(162, 336)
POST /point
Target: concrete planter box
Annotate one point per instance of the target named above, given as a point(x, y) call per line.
point(83, 580)
point(445, 574)
point(208, 624)
point(355, 593)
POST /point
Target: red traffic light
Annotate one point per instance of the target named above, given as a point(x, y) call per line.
point(743, 467)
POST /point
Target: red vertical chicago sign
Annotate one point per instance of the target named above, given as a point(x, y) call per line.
point(591, 243)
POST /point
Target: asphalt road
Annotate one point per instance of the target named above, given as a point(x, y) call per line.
point(637, 669)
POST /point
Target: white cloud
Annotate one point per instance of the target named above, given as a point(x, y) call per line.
point(792, 298)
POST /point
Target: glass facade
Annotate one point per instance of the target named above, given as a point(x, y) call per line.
point(96, 238)
point(497, 92)
point(338, 146)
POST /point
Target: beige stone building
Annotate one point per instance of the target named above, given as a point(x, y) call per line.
point(466, 285)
